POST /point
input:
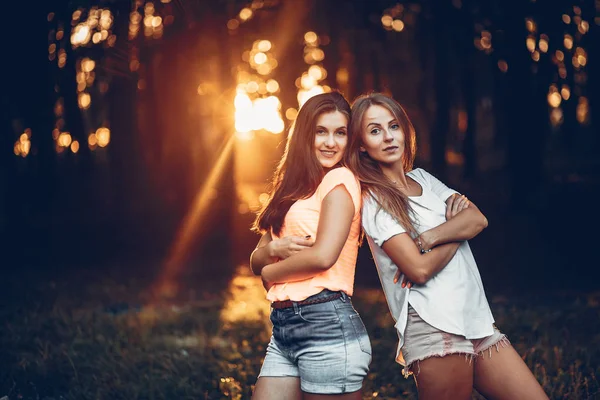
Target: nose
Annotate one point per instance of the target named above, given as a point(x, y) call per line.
point(330, 142)
point(387, 135)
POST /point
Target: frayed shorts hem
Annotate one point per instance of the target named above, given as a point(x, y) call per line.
point(502, 340)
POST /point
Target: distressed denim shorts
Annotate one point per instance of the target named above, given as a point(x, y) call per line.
point(422, 341)
point(326, 345)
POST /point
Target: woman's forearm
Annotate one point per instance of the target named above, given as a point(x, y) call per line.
point(300, 266)
point(260, 257)
point(464, 226)
point(417, 267)
point(433, 262)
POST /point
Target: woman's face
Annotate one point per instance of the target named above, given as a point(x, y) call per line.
point(381, 135)
point(331, 138)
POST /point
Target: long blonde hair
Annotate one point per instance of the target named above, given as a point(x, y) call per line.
point(373, 181)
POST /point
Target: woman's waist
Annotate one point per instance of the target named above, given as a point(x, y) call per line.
point(336, 278)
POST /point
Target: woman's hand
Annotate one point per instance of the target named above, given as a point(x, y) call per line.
point(288, 246)
point(455, 204)
point(425, 242)
point(405, 281)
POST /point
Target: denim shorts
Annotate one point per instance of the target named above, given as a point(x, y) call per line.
point(326, 345)
point(422, 341)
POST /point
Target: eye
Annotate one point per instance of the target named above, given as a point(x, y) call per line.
point(321, 132)
point(395, 126)
point(375, 131)
point(341, 132)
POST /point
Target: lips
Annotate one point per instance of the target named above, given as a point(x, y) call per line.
point(328, 154)
point(390, 148)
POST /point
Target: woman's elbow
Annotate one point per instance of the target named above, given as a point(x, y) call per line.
point(324, 261)
point(484, 223)
point(418, 277)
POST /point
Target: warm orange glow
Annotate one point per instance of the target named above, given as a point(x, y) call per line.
point(87, 65)
point(272, 86)
point(264, 45)
point(398, 25)
point(166, 284)
point(530, 43)
point(84, 100)
point(103, 136)
point(342, 76)
point(543, 44)
point(562, 72)
point(245, 14)
point(530, 24)
point(134, 65)
point(262, 113)
point(92, 140)
point(535, 56)
point(568, 41)
point(233, 24)
point(583, 27)
point(62, 58)
point(64, 139)
point(260, 58)
point(81, 35)
point(554, 97)
point(556, 116)
point(580, 57)
point(291, 114)
point(565, 92)
point(583, 110)
point(156, 22)
point(75, 146)
point(566, 19)
point(22, 146)
point(386, 21)
point(245, 301)
point(560, 56)
point(502, 66)
point(310, 38)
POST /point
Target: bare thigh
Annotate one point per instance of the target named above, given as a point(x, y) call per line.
point(346, 396)
point(277, 388)
point(447, 377)
point(505, 375)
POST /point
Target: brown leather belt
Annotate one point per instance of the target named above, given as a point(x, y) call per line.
point(288, 303)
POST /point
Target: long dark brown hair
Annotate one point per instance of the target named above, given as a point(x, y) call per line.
point(299, 172)
point(372, 179)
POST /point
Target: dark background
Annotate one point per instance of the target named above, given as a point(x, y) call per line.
point(142, 207)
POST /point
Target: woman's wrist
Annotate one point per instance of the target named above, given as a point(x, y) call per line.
point(429, 240)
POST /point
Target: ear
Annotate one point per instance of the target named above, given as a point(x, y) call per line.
point(362, 149)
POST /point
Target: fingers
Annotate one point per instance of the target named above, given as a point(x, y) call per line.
point(449, 206)
point(405, 281)
point(303, 241)
point(463, 203)
point(456, 204)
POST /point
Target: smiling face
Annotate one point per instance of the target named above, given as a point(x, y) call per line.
point(381, 135)
point(331, 138)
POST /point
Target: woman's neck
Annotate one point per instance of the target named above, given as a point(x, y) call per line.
point(396, 174)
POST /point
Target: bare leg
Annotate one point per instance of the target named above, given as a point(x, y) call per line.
point(346, 396)
point(505, 375)
point(449, 377)
point(277, 388)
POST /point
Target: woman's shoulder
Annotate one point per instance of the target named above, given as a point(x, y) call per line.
point(340, 172)
point(420, 175)
point(340, 175)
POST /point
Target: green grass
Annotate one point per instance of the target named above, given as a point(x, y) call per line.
point(58, 344)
